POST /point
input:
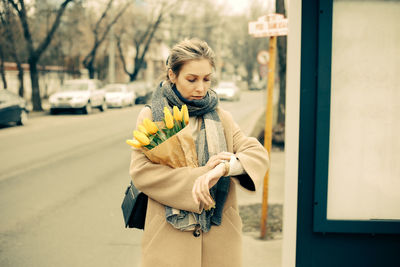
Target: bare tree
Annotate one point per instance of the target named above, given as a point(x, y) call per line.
point(100, 31)
point(10, 29)
point(142, 37)
point(36, 52)
point(142, 43)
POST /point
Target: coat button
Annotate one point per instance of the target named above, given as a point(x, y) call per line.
point(196, 233)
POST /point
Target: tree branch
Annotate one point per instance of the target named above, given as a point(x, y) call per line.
point(121, 55)
point(108, 7)
point(150, 37)
point(8, 32)
point(114, 21)
point(24, 23)
point(53, 29)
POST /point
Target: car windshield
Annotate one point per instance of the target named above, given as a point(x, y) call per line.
point(75, 87)
point(114, 89)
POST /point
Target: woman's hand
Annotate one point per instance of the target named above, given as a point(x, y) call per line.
point(202, 185)
point(217, 159)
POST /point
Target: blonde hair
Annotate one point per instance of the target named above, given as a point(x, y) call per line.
point(187, 50)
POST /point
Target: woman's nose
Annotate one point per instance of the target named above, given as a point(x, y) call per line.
point(200, 86)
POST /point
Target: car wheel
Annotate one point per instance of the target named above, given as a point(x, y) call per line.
point(23, 119)
point(53, 111)
point(88, 108)
point(103, 106)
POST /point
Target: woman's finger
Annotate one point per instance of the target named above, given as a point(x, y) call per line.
point(224, 153)
point(199, 191)
point(213, 161)
point(225, 156)
point(202, 197)
point(194, 195)
point(195, 191)
point(206, 191)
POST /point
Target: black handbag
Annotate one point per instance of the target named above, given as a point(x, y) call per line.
point(134, 207)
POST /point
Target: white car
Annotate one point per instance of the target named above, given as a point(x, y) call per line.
point(143, 91)
point(228, 91)
point(117, 95)
point(82, 94)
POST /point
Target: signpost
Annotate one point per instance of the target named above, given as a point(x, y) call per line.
point(271, 26)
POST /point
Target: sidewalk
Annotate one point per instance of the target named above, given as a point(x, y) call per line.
point(256, 252)
point(45, 107)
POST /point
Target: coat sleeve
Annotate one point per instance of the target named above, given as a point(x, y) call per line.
point(252, 155)
point(168, 186)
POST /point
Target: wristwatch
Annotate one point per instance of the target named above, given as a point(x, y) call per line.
point(227, 167)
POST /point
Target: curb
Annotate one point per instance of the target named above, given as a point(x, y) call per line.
point(34, 114)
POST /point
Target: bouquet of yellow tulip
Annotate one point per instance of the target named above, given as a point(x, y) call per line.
point(169, 142)
point(149, 135)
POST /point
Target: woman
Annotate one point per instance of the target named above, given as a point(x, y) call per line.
point(192, 216)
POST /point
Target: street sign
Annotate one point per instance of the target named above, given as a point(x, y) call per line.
point(263, 57)
point(270, 25)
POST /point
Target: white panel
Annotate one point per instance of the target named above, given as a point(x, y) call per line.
point(364, 159)
point(292, 134)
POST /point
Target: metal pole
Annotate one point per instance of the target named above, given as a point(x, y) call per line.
point(268, 128)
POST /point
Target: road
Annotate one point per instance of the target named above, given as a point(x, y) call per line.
point(62, 180)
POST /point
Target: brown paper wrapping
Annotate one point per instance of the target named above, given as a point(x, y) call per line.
point(177, 151)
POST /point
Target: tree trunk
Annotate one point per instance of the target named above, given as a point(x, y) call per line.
point(3, 75)
point(282, 40)
point(21, 89)
point(138, 67)
point(90, 69)
point(36, 100)
point(134, 75)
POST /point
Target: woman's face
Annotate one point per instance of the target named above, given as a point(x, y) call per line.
point(194, 79)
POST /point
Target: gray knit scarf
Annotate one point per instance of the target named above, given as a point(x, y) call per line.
point(210, 141)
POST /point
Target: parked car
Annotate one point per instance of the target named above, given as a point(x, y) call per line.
point(81, 94)
point(258, 85)
point(118, 95)
point(143, 91)
point(12, 108)
point(227, 90)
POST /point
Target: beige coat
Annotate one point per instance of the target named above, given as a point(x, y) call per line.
point(163, 245)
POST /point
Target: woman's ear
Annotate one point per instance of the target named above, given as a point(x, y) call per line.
point(171, 75)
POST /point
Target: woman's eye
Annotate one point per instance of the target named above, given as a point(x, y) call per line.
point(192, 81)
point(206, 80)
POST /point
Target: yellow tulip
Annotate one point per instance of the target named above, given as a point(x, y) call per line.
point(150, 126)
point(210, 207)
point(169, 120)
point(141, 137)
point(143, 130)
point(134, 143)
point(177, 114)
point(185, 113)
